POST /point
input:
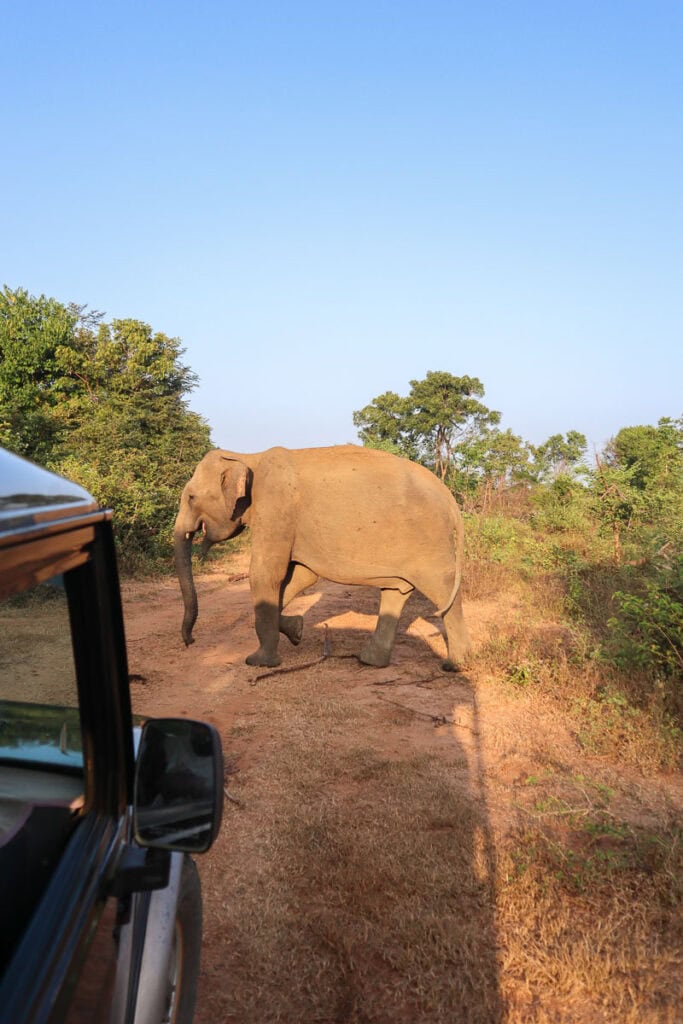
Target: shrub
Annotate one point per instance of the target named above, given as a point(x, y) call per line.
point(561, 505)
point(647, 631)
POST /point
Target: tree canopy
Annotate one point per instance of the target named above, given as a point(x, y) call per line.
point(439, 416)
point(560, 455)
point(103, 403)
point(654, 455)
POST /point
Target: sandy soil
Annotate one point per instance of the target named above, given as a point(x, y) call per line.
point(490, 742)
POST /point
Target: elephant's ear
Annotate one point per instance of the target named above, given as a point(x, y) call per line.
point(236, 486)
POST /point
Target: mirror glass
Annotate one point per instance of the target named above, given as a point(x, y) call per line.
point(178, 785)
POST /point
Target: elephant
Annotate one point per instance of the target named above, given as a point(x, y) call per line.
point(343, 513)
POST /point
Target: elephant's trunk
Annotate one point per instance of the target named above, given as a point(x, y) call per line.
point(182, 547)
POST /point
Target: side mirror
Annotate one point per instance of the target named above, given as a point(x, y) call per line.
point(178, 799)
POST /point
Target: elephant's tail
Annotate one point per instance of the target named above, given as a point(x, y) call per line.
point(454, 593)
point(459, 556)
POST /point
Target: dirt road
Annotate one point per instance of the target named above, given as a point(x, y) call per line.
point(316, 910)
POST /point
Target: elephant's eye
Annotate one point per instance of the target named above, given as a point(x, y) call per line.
point(190, 497)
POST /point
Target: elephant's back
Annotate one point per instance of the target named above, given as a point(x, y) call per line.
point(369, 512)
point(364, 478)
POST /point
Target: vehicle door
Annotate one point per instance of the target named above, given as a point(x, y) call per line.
point(66, 766)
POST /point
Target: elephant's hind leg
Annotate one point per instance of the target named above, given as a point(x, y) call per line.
point(457, 637)
point(292, 626)
point(377, 651)
point(298, 579)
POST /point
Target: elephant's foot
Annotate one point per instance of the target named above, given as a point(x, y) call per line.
point(293, 627)
point(376, 656)
point(458, 661)
point(263, 659)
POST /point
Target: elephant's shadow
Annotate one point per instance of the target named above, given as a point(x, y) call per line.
point(350, 613)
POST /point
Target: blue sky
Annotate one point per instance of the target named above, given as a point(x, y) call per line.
point(327, 200)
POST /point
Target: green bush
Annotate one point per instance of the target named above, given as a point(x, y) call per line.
point(561, 505)
point(505, 541)
point(647, 630)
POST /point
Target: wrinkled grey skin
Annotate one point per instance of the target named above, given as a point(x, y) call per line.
point(346, 514)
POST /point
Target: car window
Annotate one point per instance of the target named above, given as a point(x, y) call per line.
point(39, 720)
point(41, 751)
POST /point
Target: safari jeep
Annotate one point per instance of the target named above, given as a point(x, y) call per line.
point(100, 901)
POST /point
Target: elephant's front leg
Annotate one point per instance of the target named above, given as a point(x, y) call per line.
point(377, 651)
point(266, 582)
point(267, 618)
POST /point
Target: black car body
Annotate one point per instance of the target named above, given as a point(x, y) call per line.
point(100, 905)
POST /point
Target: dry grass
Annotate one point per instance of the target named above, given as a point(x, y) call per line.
point(612, 714)
point(377, 894)
point(588, 908)
point(373, 899)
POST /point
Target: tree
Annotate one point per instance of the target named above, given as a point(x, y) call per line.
point(560, 455)
point(382, 424)
point(33, 332)
point(638, 482)
point(653, 454)
point(438, 416)
point(105, 404)
point(637, 485)
point(617, 504)
point(493, 462)
point(445, 415)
